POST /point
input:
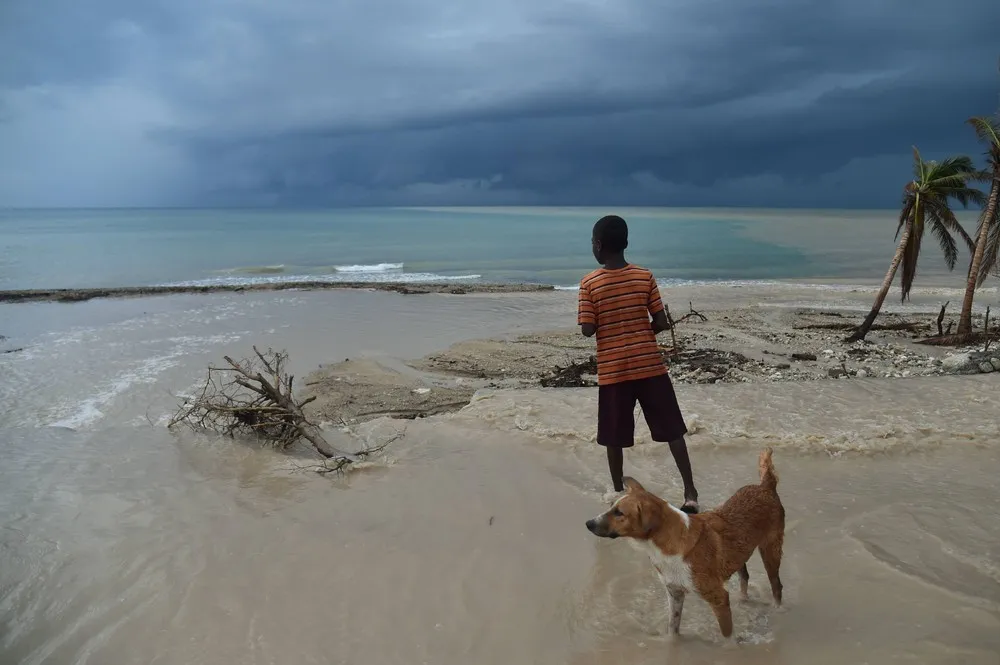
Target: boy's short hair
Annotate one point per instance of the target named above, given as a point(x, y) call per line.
point(612, 232)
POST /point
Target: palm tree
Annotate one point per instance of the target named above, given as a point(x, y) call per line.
point(984, 258)
point(925, 205)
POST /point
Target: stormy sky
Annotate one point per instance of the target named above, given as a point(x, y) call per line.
point(464, 102)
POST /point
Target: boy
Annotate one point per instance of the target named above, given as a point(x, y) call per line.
point(616, 302)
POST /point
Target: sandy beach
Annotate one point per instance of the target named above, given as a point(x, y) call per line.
point(464, 540)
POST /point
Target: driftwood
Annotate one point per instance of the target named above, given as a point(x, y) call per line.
point(898, 326)
point(254, 398)
point(571, 376)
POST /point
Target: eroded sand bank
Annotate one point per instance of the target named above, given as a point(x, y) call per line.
point(752, 345)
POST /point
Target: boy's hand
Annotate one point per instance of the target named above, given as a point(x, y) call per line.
point(588, 329)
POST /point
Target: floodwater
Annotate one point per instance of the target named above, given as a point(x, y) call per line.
point(123, 543)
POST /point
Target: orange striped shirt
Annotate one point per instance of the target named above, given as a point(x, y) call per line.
point(620, 302)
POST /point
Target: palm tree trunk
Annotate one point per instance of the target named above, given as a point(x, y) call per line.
point(863, 329)
point(965, 320)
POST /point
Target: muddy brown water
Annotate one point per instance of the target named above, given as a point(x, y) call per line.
point(122, 543)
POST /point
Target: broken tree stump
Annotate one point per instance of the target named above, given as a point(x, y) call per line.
point(986, 330)
point(940, 319)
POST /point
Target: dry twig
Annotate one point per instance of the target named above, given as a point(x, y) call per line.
point(692, 313)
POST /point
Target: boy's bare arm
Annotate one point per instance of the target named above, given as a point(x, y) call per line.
point(656, 308)
point(587, 313)
point(660, 322)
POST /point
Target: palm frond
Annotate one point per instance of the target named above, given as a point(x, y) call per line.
point(991, 257)
point(956, 189)
point(991, 253)
point(910, 255)
point(987, 130)
point(943, 216)
point(918, 166)
point(945, 240)
point(989, 265)
point(954, 165)
point(907, 210)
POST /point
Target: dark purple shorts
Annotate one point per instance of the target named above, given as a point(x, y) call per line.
point(616, 411)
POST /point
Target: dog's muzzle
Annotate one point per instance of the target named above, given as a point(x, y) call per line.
point(599, 528)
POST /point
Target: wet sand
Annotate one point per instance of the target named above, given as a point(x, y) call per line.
point(470, 547)
point(465, 542)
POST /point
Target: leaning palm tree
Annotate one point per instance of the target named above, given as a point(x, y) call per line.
point(925, 205)
point(984, 258)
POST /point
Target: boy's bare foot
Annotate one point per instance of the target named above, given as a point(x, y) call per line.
point(690, 506)
point(612, 495)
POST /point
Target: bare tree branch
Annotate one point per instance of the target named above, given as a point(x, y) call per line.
point(239, 400)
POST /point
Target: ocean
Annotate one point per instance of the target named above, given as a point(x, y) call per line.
point(109, 248)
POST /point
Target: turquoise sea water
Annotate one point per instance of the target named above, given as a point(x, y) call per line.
point(103, 248)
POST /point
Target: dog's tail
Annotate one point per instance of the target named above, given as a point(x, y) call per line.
point(768, 477)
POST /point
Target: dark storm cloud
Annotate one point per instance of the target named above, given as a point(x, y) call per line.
point(307, 102)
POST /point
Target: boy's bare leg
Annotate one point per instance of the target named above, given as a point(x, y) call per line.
point(678, 449)
point(616, 462)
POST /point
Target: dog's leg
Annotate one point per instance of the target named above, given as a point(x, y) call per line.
point(676, 595)
point(770, 554)
point(744, 583)
point(718, 598)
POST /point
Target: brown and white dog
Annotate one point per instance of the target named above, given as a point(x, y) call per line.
point(701, 552)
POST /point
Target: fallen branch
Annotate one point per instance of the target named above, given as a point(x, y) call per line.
point(899, 326)
point(337, 465)
point(254, 398)
point(571, 376)
point(692, 313)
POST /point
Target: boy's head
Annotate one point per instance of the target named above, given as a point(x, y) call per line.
point(610, 238)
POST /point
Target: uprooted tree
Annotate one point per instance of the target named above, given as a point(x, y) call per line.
point(254, 397)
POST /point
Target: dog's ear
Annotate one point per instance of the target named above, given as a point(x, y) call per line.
point(632, 485)
point(647, 514)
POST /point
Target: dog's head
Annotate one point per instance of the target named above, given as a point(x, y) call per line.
point(634, 515)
